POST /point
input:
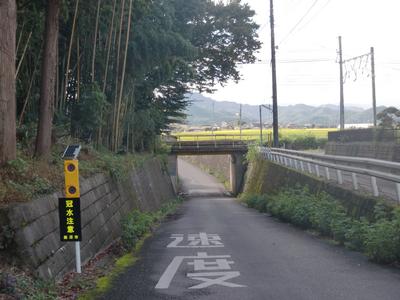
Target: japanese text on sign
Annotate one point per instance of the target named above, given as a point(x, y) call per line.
point(70, 219)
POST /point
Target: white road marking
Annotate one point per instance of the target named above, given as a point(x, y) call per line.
point(200, 240)
point(220, 280)
point(199, 263)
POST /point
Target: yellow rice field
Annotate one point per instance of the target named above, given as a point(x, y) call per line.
point(250, 134)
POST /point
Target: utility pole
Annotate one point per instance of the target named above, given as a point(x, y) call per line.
point(341, 85)
point(213, 118)
point(274, 85)
point(240, 121)
point(261, 127)
point(373, 84)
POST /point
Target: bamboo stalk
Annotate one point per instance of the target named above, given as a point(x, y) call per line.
point(69, 54)
point(123, 72)
point(113, 130)
point(109, 48)
point(78, 77)
point(21, 116)
point(95, 39)
point(23, 55)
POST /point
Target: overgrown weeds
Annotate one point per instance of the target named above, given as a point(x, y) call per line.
point(378, 238)
point(25, 178)
point(136, 224)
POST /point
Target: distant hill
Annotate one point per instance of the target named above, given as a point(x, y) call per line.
point(200, 112)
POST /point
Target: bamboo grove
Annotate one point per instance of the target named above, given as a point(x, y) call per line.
point(115, 72)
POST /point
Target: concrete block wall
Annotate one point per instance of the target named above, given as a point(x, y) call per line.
point(385, 151)
point(104, 202)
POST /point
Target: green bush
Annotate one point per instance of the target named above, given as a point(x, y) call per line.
point(382, 243)
point(258, 202)
point(136, 224)
point(379, 239)
point(303, 142)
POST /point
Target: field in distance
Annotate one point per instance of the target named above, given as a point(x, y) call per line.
point(254, 134)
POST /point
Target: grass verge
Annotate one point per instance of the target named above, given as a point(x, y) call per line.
point(25, 178)
point(98, 274)
point(136, 228)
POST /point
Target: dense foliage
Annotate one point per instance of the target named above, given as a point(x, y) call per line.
point(124, 67)
point(378, 238)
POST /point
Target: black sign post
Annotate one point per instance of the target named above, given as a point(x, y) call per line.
point(70, 219)
point(70, 206)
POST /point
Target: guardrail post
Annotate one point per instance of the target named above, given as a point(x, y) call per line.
point(215, 141)
point(398, 190)
point(295, 164)
point(375, 190)
point(328, 175)
point(317, 170)
point(339, 176)
point(309, 168)
point(197, 138)
point(355, 181)
point(302, 166)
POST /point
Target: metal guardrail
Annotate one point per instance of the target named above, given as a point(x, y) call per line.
point(366, 163)
point(312, 163)
point(214, 144)
point(200, 141)
point(222, 137)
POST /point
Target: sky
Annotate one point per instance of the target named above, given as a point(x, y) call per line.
point(361, 23)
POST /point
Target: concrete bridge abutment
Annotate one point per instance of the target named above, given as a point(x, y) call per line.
point(238, 168)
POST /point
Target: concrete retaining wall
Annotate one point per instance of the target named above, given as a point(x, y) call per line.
point(266, 177)
point(385, 151)
point(215, 163)
point(104, 202)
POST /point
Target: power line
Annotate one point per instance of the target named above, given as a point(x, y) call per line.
point(292, 61)
point(315, 15)
point(299, 22)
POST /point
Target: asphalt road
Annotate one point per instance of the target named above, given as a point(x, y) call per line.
point(214, 248)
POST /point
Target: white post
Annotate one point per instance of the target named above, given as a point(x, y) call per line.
point(309, 168)
point(285, 159)
point(296, 164)
point(339, 176)
point(317, 170)
point(355, 181)
point(375, 190)
point(302, 166)
point(328, 175)
point(78, 257)
point(398, 190)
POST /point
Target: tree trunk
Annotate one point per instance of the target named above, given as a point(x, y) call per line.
point(48, 81)
point(8, 27)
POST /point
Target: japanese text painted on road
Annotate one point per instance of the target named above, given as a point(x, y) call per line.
point(209, 269)
point(70, 219)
